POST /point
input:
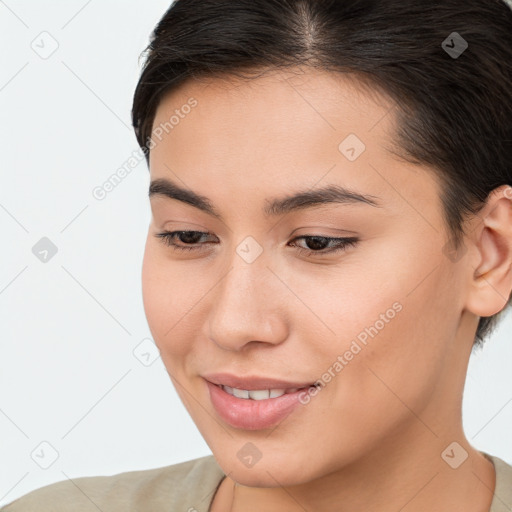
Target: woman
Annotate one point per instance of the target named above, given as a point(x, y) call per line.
point(331, 235)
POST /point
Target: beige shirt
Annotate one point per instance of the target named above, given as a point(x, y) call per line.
point(184, 487)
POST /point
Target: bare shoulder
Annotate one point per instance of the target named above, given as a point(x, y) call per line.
point(159, 488)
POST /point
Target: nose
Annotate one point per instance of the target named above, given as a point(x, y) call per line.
point(248, 307)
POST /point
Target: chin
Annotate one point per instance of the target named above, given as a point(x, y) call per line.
point(266, 477)
point(267, 473)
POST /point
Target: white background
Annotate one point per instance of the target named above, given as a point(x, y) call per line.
point(69, 376)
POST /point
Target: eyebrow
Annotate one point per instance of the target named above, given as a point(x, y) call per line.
point(300, 200)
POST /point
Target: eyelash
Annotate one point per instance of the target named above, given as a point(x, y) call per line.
point(168, 237)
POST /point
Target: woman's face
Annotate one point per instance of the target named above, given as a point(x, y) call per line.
point(380, 324)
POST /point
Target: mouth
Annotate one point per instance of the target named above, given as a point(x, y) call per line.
point(258, 394)
point(254, 409)
point(241, 387)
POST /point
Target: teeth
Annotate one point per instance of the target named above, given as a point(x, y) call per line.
point(240, 393)
point(255, 394)
point(259, 394)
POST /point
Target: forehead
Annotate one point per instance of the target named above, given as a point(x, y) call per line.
point(281, 99)
point(280, 131)
point(292, 117)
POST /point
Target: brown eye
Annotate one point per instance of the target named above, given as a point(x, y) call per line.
point(317, 244)
point(189, 238)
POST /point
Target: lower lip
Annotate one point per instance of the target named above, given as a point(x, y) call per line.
point(252, 414)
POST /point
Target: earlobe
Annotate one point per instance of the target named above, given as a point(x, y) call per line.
point(491, 275)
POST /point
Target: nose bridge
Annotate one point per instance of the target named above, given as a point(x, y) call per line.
point(246, 304)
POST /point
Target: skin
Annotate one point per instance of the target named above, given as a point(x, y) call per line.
point(373, 437)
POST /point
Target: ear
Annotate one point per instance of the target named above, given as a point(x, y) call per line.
point(490, 246)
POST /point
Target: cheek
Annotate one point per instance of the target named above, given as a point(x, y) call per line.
point(404, 359)
point(393, 312)
point(153, 290)
point(162, 304)
point(173, 299)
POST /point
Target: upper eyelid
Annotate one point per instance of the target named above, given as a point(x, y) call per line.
point(297, 237)
point(306, 235)
point(341, 244)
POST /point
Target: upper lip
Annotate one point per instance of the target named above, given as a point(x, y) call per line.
point(253, 382)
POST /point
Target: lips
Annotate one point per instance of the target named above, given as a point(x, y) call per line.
point(250, 414)
point(254, 383)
